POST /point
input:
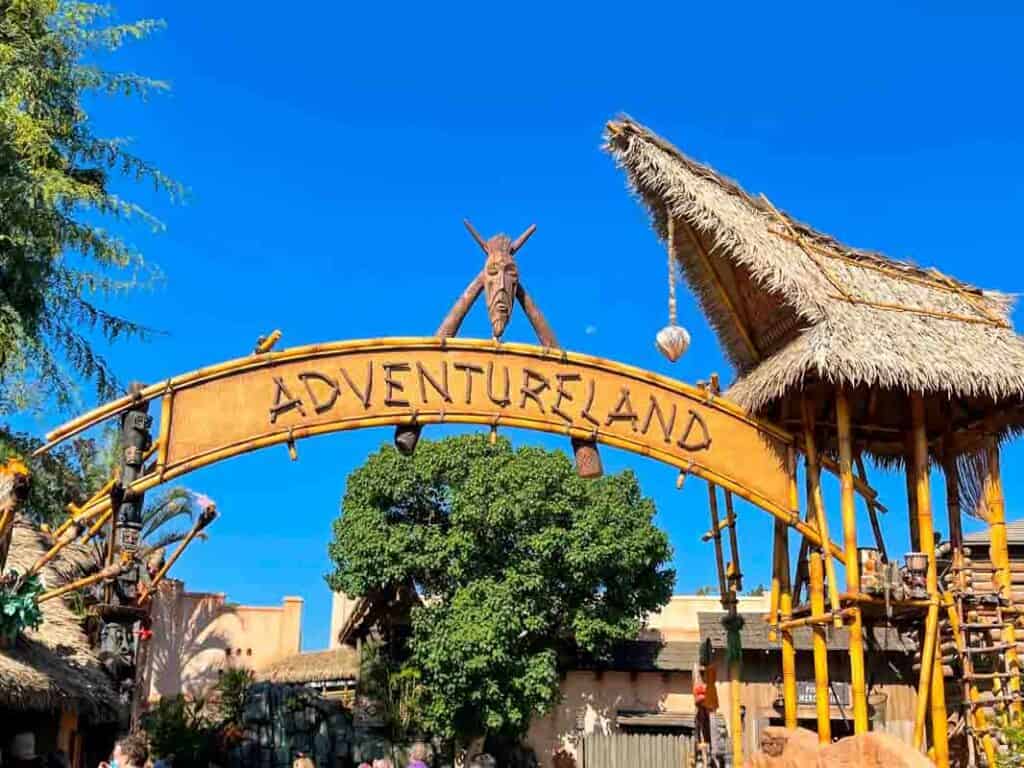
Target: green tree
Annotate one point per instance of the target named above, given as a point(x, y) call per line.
point(757, 591)
point(516, 558)
point(59, 265)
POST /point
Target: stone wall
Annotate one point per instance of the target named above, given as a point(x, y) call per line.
point(281, 720)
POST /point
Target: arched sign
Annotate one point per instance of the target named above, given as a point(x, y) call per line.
point(279, 397)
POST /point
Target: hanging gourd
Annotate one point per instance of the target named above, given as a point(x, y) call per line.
point(673, 340)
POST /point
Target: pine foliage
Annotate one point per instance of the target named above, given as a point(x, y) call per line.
point(59, 266)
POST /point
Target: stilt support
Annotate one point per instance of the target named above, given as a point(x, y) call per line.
point(926, 531)
point(820, 646)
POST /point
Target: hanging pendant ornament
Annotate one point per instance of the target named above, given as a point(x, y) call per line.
point(673, 340)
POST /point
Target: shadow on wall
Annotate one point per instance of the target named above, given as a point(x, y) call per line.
point(188, 644)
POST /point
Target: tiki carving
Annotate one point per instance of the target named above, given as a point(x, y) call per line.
point(500, 284)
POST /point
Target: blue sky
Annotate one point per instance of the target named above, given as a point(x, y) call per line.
point(332, 150)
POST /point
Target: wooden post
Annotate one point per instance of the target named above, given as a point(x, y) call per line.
point(911, 495)
point(999, 554)
point(817, 503)
point(925, 676)
point(716, 532)
point(820, 646)
point(926, 531)
point(858, 683)
point(786, 597)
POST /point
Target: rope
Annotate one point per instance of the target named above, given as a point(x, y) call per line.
point(671, 271)
point(733, 623)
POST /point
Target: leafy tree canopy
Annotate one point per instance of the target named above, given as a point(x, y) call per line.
point(516, 559)
point(58, 264)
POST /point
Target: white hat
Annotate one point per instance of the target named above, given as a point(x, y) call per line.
point(23, 746)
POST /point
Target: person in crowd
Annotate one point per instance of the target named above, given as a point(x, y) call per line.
point(382, 762)
point(482, 760)
point(302, 760)
point(129, 752)
point(23, 751)
point(419, 755)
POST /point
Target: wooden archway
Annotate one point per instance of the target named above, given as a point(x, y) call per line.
point(241, 405)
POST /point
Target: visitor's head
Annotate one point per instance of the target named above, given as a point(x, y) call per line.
point(482, 760)
point(382, 762)
point(419, 751)
point(303, 761)
point(131, 752)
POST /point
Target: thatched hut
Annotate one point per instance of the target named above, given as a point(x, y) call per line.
point(797, 311)
point(858, 355)
point(51, 682)
point(333, 673)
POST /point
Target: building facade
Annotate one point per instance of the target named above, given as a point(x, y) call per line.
point(196, 635)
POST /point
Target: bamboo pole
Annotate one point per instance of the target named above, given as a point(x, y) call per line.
point(818, 618)
point(206, 517)
point(735, 711)
point(815, 499)
point(734, 546)
point(925, 675)
point(915, 536)
point(723, 588)
point(773, 601)
point(820, 647)
point(848, 506)
point(786, 597)
point(999, 554)
point(926, 531)
point(110, 572)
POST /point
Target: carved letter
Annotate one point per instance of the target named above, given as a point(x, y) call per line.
point(317, 405)
point(534, 394)
point(442, 388)
point(562, 394)
point(504, 399)
point(364, 396)
point(283, 401)
point(666, 426)
point(623, 410)
point(585, 413)
point(392, 385)
point(470, 370)
point(695, 418)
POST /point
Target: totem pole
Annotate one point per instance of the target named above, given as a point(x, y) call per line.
point(500, 283)
point(122, 621)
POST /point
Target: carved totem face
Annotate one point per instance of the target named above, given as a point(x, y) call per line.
point(501, 279)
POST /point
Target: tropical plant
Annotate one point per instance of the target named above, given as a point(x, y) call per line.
point(181, 727)
point(1013, 755)
point(19, 605)
point(516, 560)
point(59, 264)
point(231, 689)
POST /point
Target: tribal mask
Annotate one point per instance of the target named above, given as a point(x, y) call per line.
point(500, 275)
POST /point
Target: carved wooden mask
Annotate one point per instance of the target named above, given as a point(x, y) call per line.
point(500, 275)
point(501, 278)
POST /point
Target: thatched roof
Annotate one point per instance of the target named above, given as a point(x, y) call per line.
point(313, 667)
point(54, 666)
point(754, 635)
point(794, 306)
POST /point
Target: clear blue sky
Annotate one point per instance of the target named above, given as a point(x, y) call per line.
point(332, 150)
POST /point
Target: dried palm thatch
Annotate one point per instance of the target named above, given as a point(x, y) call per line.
point(54, 666)
point(795, 308)
point(315, 667)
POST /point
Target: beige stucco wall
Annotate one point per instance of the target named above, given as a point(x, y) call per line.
point(678, 619)
point(591, 700)
point(195, 634)
point(341, 608)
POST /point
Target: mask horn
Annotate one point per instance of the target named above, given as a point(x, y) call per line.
point(521, 240)
point(476, 235)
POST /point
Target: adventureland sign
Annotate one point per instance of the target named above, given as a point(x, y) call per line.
point(283, 396)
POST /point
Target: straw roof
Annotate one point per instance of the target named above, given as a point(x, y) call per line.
point(794, 307)
point(314, 667)
point(54, 666)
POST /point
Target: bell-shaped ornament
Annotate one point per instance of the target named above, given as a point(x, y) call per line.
point(672, 341)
